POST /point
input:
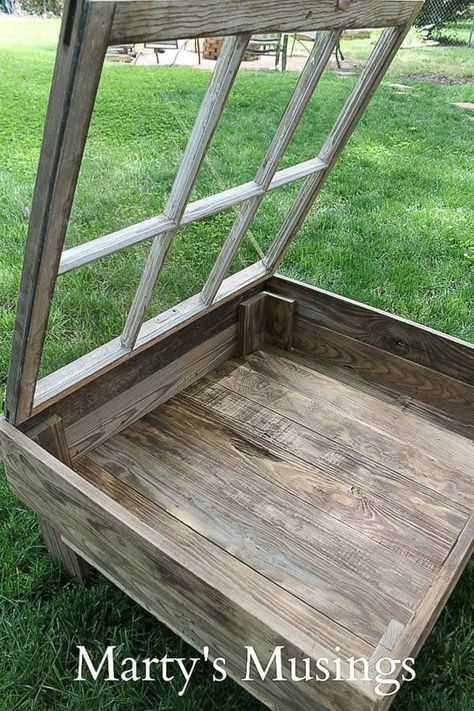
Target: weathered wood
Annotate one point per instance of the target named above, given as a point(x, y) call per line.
point(427, 613)
point(280, 321)
point(425, 415)
point(303, 488)
point(287, 545)
point(90, 368)
point(384, 432)
point(395, 529)
point(239, 483)
point(157, 20)
point(75, 81)
point(252, 315)
point(201, 592)
point(385, 647)
point(204, 128)
point(59, 550)
point(369, 80)
point(436, 514)
point(95, 249)
point(266, 318)
point(448, 396)
point(131, 372)
point(51, 437)
point(404, 338)
point(116, 413)
point(299, 100)
point(270, 502)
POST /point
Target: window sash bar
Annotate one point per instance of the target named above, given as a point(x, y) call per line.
point(206, 123)
point(290, 121)
point(96, 249)
point(369, 80)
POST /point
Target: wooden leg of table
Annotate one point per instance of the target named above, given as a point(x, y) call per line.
point(74, 564)
point(51, 436)
point(284, 55)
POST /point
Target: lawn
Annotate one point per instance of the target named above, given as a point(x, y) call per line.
point(394, 228)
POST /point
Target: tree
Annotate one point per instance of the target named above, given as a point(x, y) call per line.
point(436, 14)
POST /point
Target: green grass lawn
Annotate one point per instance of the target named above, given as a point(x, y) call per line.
point(394, 228)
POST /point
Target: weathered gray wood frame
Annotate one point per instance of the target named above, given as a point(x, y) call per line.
point(145, 20)
point(85, 34)
point(87, 29)
point(206, 123)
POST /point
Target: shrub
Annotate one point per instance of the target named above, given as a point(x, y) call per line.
point(40, 7)
point(436, 14)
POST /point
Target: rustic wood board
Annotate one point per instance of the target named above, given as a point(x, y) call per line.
point(399, 336)
point(91, 374)
point(147, 21)
point(305, 510)
point(448, 396)
point(257, 523)
point(147, 393)
point(304, 479)
point(81, 51)
point(203, 593)
point(74, 393)
point(438, 460)
point(341, 461)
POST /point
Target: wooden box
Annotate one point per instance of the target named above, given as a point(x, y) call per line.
point(267, 464)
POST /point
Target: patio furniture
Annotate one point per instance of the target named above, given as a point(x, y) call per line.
point(270, 45)
point(121, 53)
point(161, 47)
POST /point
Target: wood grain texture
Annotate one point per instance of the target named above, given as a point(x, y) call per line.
point(416, 449)
point(201, 592)
point(386, 645)
point(399, 336)
point(426, 510)
point(252, 315)
point(83, 372)
point(449, 396)
point(51, 437)
point(75, 82)
point(146, 394)
point(423, 620)
point(262, 502)
point(106, 386)
point(400, 413)
point(280, 321)
point(303, 484)
point(156, 20)
point(362, 510)
point(300, 549)
point(59, 550)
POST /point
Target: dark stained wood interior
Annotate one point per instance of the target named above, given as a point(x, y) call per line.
point(334, 493)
